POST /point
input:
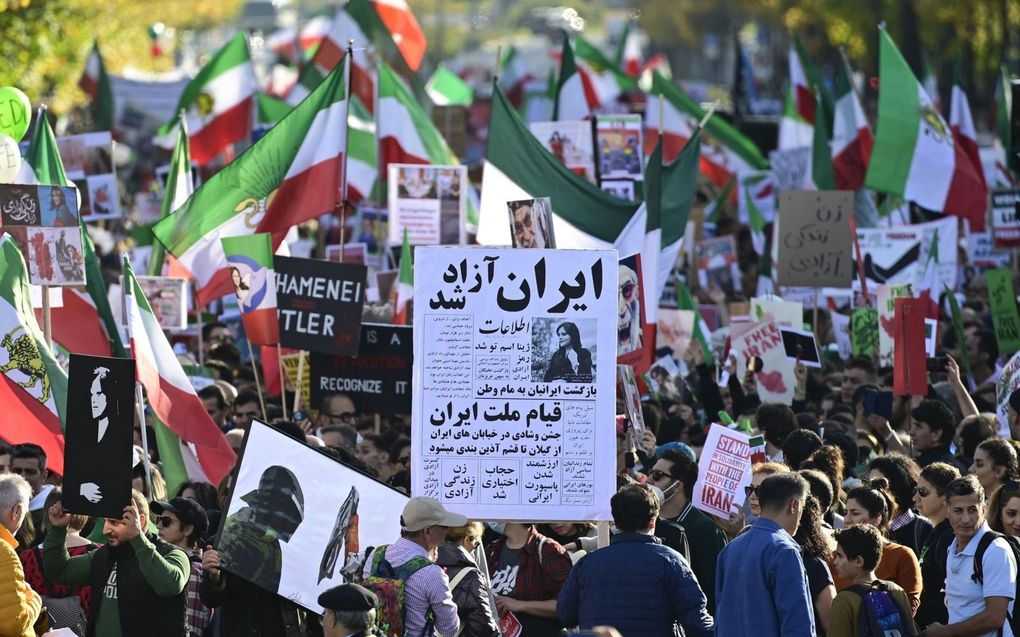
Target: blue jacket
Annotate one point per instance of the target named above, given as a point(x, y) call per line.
point(761, 588)
point(636, 585)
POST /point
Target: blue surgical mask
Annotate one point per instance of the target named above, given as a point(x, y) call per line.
point(497, 527)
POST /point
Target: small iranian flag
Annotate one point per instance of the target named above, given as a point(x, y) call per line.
point(405, 284)
point(96, 84)
point(293, 173)
point(399, 21)
point(179, 186)
point(628, 53)
point(915, 156)
point(446, 88)
point(962, 124)
point(250, 260)
point(309, 78)
point(33, 386)
point(406, 133)
point(725, 152)
point(575, 96)
point(514, 77)
point(218, 102)
point(684, 301)
point(851, 135)
point(386, 26)
point(167, 387)
point(517, 166)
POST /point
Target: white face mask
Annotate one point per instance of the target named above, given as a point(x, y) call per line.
point(664, 495)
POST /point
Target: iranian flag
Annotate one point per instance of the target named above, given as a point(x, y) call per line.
point(33, 389)
point(85, 323)
point(400, 23)
point(684, 301)
point(517, 166)
point(851, 135)
point(344, 28)
point(218, 103)
point(292, 174)
point(575, 96)
point(405, 284)
point(406, 133)
point(628, 53)
point(915, 156)
point(169, 392)
point(309, 78)
point(388, 26)
point(514, 77)
point(725, 152)
point(962, 125)
point(179, 186)
point(604, 76)
point(362, 152)
point(822, 176)
point(250, 260)
point(801, 88)
point(446, 88)
point(96, 84)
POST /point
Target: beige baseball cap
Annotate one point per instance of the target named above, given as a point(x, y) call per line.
point(422, 512)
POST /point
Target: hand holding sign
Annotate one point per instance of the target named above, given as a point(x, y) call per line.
point(58, 517)
point(15, 112)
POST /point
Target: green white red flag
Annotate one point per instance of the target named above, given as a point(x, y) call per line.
point(218, 102)
point(405, 284)
point(915, 155)
point(179, 186)
point(167, 387)
point(575, 96)
point(962, 124)
point(292, 174)
point(96, 84)
point(250, 259)
point(851, 135)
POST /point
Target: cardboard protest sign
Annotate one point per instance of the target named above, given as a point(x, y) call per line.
point(864, 332)
point(634, 336)
point(791, 168)
point(514, 369)
point(627, 393)
point(1009, 381)
point(899, 254)
point(430, 202)
point(531, 224)
point(982, 252)
point(800, 345)
point(618, 146)
point(716, 261)
point(295, 514)
point(784, 312)
point(1004, 310)
point(1005, 218)
point(319, 304)
point(168, 297)
point(377, 380)
point(88, 162)
point(910, 372)
point(887, 295)
point(814, 247)
point(776, 380)
point(99, 435)
point(43, 220)
point(570, 142)
point(723, 472)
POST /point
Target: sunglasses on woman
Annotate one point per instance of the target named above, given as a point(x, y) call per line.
point(749, 489)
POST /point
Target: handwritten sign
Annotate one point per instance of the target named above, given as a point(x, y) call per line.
point(378, 379)
point(814, 245)
point(319, 304)
point(724, 471)
point(514, 382)
point(864, 331)
point(776, 380)
point(1004, 312)
point(1005, 220)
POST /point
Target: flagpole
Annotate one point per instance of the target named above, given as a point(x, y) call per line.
point(499, 61)
point(300, 381)
point(662, 114)
point(258, 385)
point(850, 79)
point(348, 88)
point(198, 322)
point(47, 318)
point(140, 406)
point(711, 111)
point(283, 381)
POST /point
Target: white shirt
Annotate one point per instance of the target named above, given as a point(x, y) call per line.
point(965, 598)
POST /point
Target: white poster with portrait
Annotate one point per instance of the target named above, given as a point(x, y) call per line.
point(514, 382)
point(429, 202)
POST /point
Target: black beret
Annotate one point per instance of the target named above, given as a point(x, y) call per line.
point(348, 597)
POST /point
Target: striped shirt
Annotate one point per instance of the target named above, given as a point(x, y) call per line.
point(198, 615)
point(426, 588)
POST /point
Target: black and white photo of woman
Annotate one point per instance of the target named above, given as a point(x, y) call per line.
point(570, 362)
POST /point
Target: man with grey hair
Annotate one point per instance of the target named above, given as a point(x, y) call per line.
point(349, 611)
point(21, 605)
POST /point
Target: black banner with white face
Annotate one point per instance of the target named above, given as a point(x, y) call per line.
point(378, 379)
point(99, 435)
point(320, 304)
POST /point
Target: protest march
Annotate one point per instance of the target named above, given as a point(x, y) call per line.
point(306, 319)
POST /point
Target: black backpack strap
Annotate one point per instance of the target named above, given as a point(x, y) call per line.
point(979, 554)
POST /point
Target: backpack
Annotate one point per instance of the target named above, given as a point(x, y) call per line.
point(389, 584)
point(880, 615)
point(978, 575)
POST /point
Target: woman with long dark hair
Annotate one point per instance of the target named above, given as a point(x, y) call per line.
point(815, 547)
point(901, 473)
point(570, 362)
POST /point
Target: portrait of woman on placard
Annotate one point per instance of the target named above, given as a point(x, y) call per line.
point(570, 362)
point(241, 288)
point(104, 406)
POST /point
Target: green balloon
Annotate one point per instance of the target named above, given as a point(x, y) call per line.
point(15, 112)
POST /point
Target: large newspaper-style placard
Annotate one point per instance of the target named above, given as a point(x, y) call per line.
point(514, 382)
point(429, 202)
point(724, 471)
